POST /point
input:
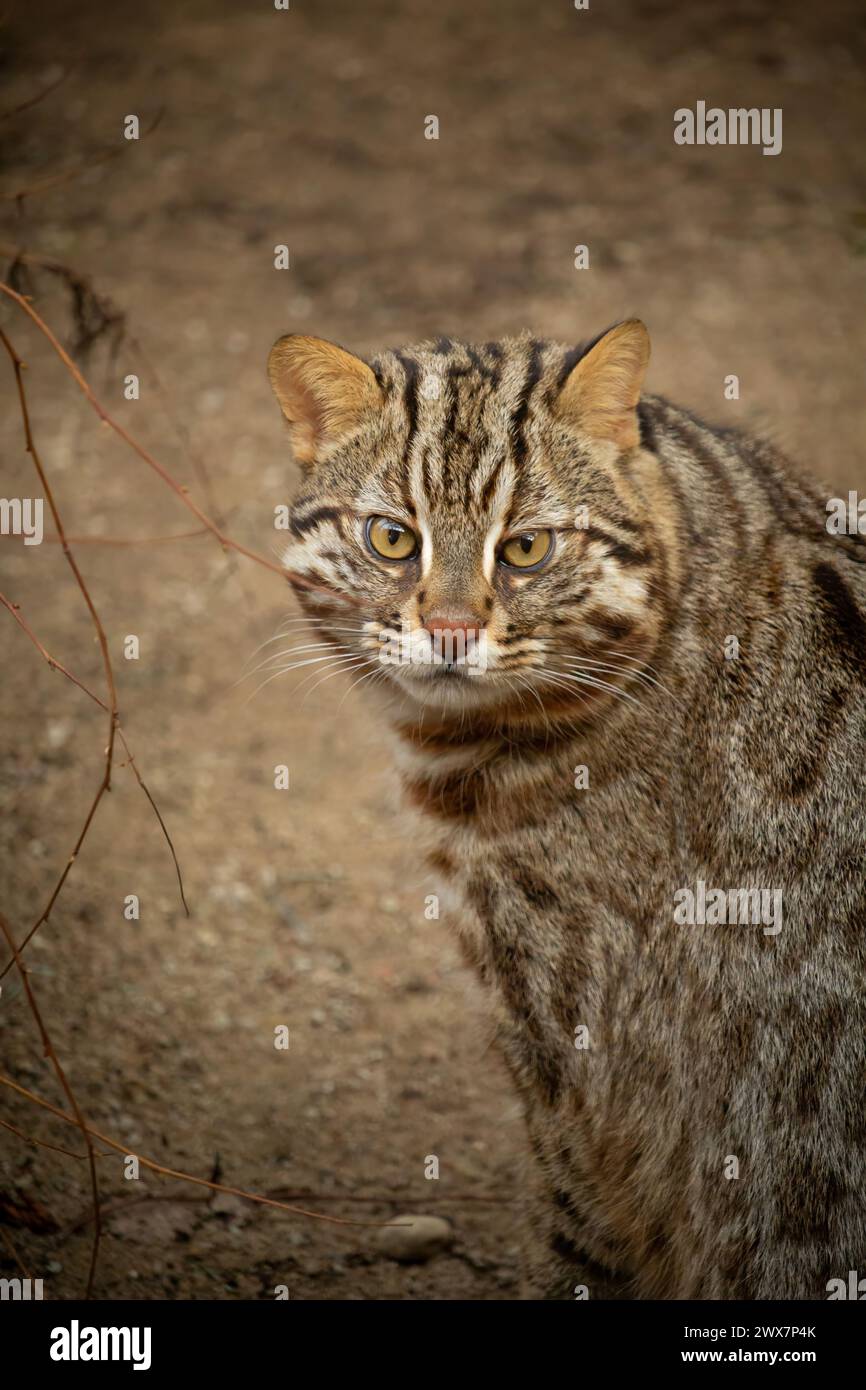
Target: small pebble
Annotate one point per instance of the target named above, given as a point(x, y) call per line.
point(416, 1239)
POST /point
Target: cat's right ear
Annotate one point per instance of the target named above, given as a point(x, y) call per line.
point(324, 392)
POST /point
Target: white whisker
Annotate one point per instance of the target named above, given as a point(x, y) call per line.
point(630, 673)
point(290, 651)
point(293, 666)
point(345, 663)
point(310, 622)
point(379, 671)
point(588, 680)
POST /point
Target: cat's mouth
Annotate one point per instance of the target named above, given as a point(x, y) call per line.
point(452, 685)
point(448, 671)
point(442, 676)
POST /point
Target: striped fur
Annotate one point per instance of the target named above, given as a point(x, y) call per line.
point(705, 1042)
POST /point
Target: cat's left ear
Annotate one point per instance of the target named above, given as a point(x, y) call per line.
point(600, 394)
point(324, 392)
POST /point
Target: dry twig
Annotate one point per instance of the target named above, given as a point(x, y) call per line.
point(165, 1172)
point(67, 175)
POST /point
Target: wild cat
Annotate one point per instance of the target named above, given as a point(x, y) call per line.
point(670, 709)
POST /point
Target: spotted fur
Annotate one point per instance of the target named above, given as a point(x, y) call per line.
point(706, 1043)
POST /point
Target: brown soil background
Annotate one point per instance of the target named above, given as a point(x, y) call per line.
point(306, 128)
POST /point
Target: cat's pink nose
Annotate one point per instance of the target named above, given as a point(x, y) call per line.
point(438, 624)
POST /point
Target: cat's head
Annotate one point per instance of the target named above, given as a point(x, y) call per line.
point(471, 519)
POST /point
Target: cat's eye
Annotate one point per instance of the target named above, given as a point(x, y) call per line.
point(390, 539)
point(528, 550)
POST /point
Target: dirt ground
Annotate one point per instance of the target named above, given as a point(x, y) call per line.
point(306, 128)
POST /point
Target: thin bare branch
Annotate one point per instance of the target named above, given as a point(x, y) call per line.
point(56, 665)
point(302, 580)
point(112, 711)
point(67, 175)
point(185, 1177)
point(32, 1141)
point(12, 111)
point(78, 1120)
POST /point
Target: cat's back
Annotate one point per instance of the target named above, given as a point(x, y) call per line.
point(727, 479)
point(771, 622)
